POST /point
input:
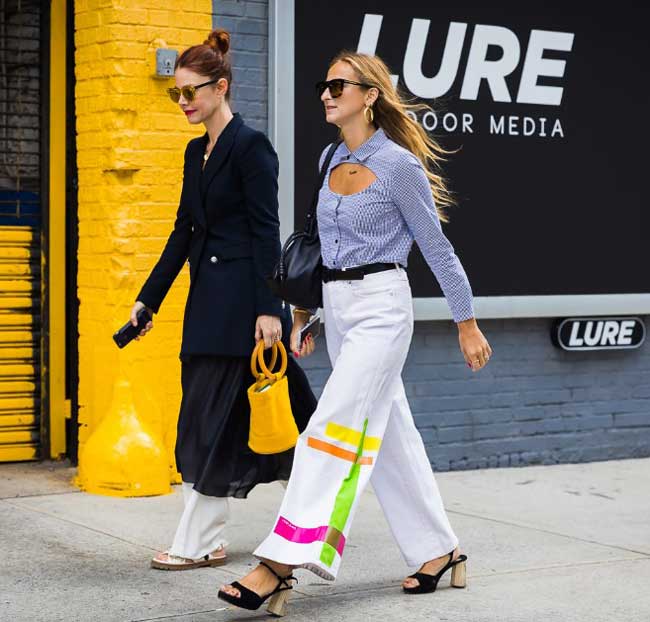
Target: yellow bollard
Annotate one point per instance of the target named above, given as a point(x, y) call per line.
point(122, 458)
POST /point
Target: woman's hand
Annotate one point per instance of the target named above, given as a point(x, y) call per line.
point(299, 320)
point(268, 328)
point(473, 345)
point(134, 318)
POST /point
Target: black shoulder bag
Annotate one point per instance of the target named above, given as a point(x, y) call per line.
point(297, 277)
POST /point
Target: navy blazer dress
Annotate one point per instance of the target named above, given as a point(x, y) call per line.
point(227, 227)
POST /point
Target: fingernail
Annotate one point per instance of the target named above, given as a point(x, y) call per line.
point(469, 365)
point(295, 354)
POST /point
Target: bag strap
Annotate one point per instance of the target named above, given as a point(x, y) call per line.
point(311, 215)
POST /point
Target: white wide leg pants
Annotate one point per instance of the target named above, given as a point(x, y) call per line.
point(200, 530)
point(362, 430)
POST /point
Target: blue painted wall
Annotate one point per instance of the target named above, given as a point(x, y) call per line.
point(247, 22)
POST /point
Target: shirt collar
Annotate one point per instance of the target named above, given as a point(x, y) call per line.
point(364, 151)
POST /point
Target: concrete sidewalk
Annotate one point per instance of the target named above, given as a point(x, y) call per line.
point(549, 543)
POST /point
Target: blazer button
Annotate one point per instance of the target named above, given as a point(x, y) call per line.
point(213, 259)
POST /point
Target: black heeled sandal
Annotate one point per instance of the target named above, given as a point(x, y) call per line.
point(248, 599)
point(429, 582)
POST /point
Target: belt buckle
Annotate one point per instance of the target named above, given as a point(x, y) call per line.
point(355, 274)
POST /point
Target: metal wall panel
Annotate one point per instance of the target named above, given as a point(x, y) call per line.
point(20, 269)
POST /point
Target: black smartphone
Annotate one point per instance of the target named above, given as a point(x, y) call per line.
point(129, 332)
point(311, 328)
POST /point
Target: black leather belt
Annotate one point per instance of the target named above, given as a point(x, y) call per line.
point(357, 273)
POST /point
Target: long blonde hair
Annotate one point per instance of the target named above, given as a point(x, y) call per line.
point(390, 114)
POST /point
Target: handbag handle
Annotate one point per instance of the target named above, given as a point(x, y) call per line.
point(258, 356)
point(258, 351)
point(278, 345)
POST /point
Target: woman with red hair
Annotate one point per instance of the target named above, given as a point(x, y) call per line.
point(227, 229)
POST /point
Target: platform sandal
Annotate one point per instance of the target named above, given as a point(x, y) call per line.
point(248, 599)
point(429, 582)
point(174, 562)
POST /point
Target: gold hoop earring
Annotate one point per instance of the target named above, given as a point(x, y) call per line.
point(369, 114)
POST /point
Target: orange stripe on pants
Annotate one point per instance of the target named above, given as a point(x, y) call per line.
point(344, 454)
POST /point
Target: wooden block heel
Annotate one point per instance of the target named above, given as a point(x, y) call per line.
point(428, 583)
point(458, 575)
point(248, 599)
point(278, 603)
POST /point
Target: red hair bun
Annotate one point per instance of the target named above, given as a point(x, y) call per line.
point(219, 39)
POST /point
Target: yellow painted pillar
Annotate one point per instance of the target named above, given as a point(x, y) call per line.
point(130, 144)
point(55, 266)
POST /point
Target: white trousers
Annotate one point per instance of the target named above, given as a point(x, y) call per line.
point(200, 530)
point(362, 430)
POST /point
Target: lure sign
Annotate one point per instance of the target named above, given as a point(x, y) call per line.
point(624, 333)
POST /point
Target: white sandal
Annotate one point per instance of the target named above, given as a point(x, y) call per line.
point(218, 557)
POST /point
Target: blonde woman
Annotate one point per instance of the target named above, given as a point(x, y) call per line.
point(377, 198)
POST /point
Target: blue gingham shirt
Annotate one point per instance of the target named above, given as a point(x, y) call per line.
point(380, 223)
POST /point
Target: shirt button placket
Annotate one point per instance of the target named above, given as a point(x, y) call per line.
point(338, 229)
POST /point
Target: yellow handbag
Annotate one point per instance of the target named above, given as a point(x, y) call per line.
point(273, 428)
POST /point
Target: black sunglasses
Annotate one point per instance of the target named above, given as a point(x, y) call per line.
point(336, 86)
point(188, 92)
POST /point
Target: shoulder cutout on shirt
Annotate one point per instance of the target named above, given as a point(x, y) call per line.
point(348, 178)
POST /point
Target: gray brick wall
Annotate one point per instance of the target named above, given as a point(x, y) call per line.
point(247, 22)
point(19, 113)
point(533, 404)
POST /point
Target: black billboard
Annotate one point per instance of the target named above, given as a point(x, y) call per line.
point(549, 114)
